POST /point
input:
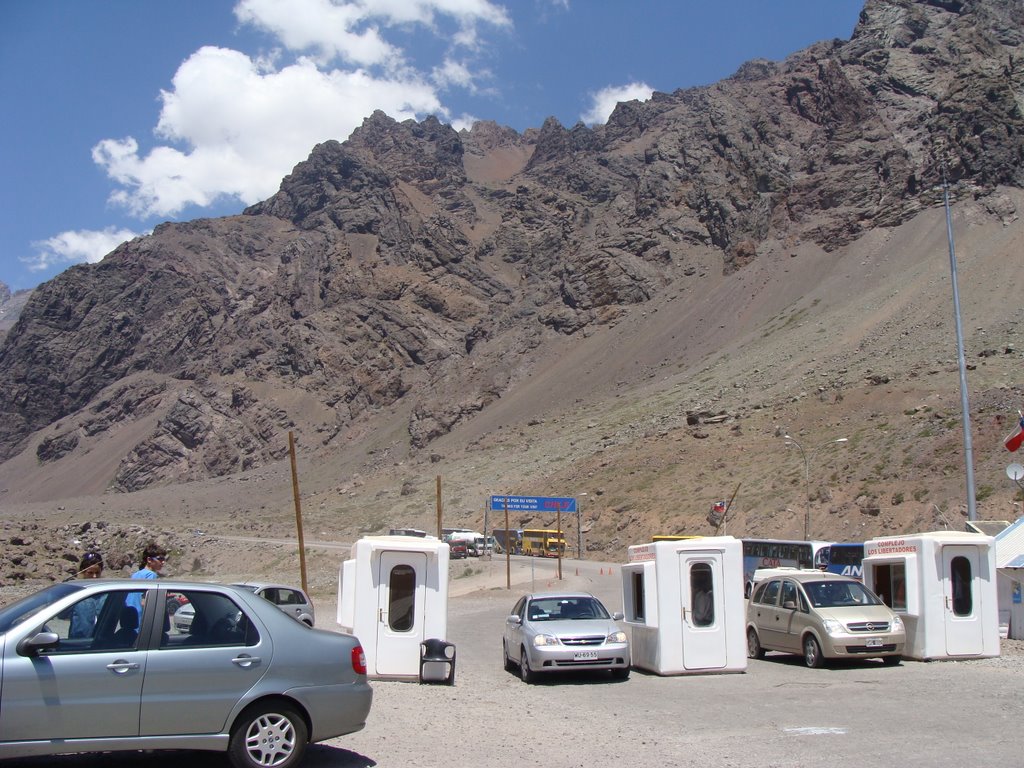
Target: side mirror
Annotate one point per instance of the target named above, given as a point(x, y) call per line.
point(514, 619)
point(789, 605)
point(618, 616)
point(41, 641)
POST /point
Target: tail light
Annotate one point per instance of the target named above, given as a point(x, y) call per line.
point(359, 660)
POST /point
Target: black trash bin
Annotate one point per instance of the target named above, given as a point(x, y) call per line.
point(437, 661)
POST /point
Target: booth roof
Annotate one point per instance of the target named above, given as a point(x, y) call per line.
point(1010, 545)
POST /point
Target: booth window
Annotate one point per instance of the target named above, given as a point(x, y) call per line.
point(702, 600)
point(960, 578)
point(402, 604)
point(637, 581)
point(891, 584)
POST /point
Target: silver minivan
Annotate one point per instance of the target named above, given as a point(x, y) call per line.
point(821, 616)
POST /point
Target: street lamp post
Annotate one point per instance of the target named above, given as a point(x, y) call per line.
point(807, 477)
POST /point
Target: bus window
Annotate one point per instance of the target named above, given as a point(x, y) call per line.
point(846, 559)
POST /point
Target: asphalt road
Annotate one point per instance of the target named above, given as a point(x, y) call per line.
point(777, 713)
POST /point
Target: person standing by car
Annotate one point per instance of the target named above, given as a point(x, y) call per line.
point(153, 558)
point(89, 567)
point(83, 615)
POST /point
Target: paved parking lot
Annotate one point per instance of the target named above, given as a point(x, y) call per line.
point(778, 713)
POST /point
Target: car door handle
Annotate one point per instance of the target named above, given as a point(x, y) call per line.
point(121, 666)
point(245, 660)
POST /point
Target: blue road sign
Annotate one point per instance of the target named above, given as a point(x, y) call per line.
point(533, 504)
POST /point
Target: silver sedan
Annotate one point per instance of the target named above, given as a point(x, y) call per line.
point(291, 600)
point(93, 666)
point(557, 632)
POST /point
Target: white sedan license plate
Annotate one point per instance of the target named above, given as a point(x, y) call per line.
point(874, 642)
point(585, 656)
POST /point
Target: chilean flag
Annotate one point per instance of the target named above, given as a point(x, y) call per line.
point(1016, 438)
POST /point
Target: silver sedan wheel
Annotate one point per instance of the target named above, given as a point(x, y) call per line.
point(268, 736)
point(526, 674)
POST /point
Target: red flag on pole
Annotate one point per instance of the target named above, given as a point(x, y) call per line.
point(1016, 438)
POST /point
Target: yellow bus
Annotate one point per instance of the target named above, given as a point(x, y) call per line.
point(543, 542)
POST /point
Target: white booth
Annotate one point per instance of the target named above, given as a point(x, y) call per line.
point(393, 595)
point(943, 586)
point(683, 602)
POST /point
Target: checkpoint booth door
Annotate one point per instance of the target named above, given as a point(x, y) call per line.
point(963, 617)
point(704, 618)
point(401, 589)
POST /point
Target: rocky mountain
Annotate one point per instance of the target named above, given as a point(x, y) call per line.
point(420, 295)
point(11, 303)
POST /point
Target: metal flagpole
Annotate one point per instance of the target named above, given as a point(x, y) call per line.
point(965, 410)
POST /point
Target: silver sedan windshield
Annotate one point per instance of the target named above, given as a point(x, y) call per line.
point(562, 608)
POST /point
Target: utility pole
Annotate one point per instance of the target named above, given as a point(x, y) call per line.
point(972, 511)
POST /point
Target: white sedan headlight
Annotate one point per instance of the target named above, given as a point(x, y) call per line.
point(616, 637)
point(539, 640)
point(833, 627)
point(897, 623)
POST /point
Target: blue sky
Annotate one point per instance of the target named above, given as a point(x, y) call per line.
point(121, 114)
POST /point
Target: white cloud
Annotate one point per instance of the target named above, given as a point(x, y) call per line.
point(76, 246)
point(245, 129)
point(464, 122)
point(320, 25)
point(348, 28)
point(233, 125)
point(603, 102)
point(453, 72)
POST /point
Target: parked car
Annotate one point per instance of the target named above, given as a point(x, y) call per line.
point(822, 616)
point(291, 600)
point(555, 632)
point(245, 679)
point(458, 550)
point(182, 619)
point(174, 602)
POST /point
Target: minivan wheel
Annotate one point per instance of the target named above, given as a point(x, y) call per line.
point(754, 649)
point(269, 734)
point(812, 652)
point(892, 661)
point(526, 674)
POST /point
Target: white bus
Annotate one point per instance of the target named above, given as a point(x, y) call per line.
point(776, 553)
